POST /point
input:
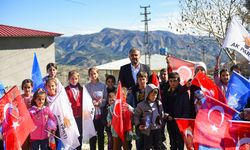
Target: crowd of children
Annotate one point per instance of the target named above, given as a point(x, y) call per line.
point(57, 111)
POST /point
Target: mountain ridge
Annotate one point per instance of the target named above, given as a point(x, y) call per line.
point(112, 44)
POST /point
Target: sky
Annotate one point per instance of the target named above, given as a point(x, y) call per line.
point(71, 17)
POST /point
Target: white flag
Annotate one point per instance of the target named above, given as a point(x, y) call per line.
point(88, 128)
point(237, 38)
point(61, 108)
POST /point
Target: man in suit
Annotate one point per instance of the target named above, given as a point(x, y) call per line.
point(128, 72)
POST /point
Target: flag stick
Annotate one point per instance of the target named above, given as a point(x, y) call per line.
point(57, 137)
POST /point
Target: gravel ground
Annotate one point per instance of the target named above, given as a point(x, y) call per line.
point(86, 146)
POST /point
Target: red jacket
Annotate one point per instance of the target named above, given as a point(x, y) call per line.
point(76, 105)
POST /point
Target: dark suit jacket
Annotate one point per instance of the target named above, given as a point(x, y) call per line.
point(126, 77)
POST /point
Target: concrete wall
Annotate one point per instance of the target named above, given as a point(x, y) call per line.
point(17, 54)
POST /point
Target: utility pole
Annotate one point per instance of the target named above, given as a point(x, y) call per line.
point(147, 53)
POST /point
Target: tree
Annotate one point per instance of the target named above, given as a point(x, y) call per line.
point(213, 16)
point(247, 4)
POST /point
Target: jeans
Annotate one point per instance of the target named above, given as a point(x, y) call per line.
point(176, 141)
point(99, 127)
point(42, 143)
point(153, 140)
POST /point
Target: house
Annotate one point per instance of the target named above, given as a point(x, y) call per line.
point(17, 48)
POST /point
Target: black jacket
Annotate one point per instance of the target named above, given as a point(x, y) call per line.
point(126, 77)
point(177, 103)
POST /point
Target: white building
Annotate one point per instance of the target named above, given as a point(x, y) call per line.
point(157, 62)
point(17, 48)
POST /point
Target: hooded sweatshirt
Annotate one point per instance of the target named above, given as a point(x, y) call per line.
point(149, 113)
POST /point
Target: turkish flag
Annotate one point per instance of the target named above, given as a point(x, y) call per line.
point(211, 122)
point(154, 79)
point(17, 123)
point(121, 120)
point(208, 87)
point(238, 135)
point(186, 127)
point(183, 67)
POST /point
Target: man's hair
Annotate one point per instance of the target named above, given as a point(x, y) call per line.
point(174, 75)
point(133, 50)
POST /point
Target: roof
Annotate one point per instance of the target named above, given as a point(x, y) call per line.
point(157, 62)
point(10, 31)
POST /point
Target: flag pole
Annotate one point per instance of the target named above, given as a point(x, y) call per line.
point(58, 138)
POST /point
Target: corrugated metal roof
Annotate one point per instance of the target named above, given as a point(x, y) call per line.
point(10, 31)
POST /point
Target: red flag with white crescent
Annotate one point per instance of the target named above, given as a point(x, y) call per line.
point(238, 135)
point(208, 87)
point(121, 120)
point(183, 67)
point(17, 123)
point(211, 122)
point(186, 127)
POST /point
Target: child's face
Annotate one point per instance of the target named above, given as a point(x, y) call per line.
point(153, 95)
point(93, 75)
point(111, 99)
point(142, 81)
point(199, 68)
point(173, 83)
point(51, 88)
point(163, 76)
point(110, 83)
point(74, 79)
point(225, 77)
point(40, 100)
point(27, 88)
point(52, 71)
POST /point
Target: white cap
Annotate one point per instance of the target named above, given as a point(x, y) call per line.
point(200, 64)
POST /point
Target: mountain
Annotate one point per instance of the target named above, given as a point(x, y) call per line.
point(113, 44)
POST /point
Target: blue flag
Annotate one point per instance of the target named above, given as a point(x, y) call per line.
point(2, 89)
point(36, 75)
point(238, 91)
point(59, 145)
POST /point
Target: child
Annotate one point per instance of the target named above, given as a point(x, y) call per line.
point(111, 100)
point(74, 91)
point(59, 104)
point(43, 118)
point(222, 79)
point(136, 94)
point(117, 143)
point(98, 93)
point(110, 82)
point(148, 118)
point(27, 87)
point(51, 69)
